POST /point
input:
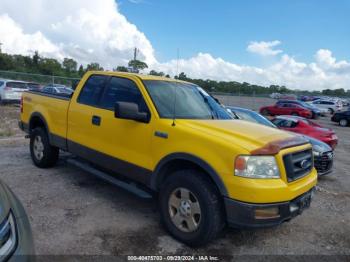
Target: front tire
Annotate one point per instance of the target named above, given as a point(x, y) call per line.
point(190, 208)
point(343, 122)
point(43, 154)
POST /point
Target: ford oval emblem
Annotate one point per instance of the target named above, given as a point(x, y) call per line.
point(305, 164)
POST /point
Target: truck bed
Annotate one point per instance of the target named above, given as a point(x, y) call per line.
point(53, 109)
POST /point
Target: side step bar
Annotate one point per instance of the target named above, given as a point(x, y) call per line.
point(132, 188)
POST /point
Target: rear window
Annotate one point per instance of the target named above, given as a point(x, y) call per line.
point(92, 90)
point(19, 85)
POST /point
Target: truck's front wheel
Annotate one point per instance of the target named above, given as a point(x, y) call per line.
point(43, 154)
point(191, 208)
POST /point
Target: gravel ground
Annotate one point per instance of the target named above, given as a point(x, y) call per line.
point(72, 212)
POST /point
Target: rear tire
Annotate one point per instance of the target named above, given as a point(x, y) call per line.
point(331, 111)
point(191, 208)
point(343, 122)
point(43, 154)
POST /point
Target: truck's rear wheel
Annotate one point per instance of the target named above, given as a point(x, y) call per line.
point(42, 153)
point(191, 208)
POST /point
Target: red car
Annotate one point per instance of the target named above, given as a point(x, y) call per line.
point(286, 109)
point(306, 127)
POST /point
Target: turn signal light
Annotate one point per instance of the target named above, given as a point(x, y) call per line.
point(267, 213)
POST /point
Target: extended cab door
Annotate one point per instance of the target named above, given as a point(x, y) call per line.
point(120, 145)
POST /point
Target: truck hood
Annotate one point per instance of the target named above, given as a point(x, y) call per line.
point(248, 135)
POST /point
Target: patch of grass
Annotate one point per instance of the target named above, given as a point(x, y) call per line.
point(9, 116)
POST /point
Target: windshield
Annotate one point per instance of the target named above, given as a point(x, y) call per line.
point(253, 117)
point(192, 102)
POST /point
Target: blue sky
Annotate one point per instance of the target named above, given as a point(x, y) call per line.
point(224, 28)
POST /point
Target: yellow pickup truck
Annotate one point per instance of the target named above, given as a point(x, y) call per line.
point(207, 169)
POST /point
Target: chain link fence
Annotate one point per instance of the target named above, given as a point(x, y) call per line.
point(37, 78)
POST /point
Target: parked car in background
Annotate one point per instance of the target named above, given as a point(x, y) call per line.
point(288, 96)
point(314, 110)
point(15, 232)
point(331, 106)
point(11, 91)
point(58, 89)
point(306, 127)
point(34, 86)
point(323, 153)
point(286, 109)
point(343, 118)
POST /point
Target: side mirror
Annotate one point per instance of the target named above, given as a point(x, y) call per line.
point(125, 110)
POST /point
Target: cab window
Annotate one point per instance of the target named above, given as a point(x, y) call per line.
point(122, 90)
point(92, 90)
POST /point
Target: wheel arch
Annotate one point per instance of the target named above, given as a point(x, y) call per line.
point(37, 120)
point(178, 161)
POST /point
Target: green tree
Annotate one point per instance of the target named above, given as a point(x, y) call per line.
point(36, 58)
point(69, 65)
point(50, 66)
point(94, 67)
point(155, 73)
point(81, 70)
point(137, 64)
point(121, 69)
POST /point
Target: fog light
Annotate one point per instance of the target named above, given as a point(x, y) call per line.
point(267, 213)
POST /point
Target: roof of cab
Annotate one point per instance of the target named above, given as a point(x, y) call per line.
point(141, 76)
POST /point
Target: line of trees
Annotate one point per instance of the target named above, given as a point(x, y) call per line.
point(37, 64)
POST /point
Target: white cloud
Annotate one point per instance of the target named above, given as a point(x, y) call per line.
point(95, 31)
point(264, 48)
point(86, 30)
point(287, 71)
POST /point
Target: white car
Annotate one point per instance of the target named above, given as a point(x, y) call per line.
point(11, 90)
point(331, 106)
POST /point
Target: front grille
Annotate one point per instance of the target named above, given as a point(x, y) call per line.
point(324, 162)
point(298, 164)
point(8, 237)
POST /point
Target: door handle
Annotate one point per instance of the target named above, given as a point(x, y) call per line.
point(96, 120)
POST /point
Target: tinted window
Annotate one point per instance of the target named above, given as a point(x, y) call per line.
point(1, 83)
point(122, 90)
point(284, 123)
point(19, 85)
point(92, 90)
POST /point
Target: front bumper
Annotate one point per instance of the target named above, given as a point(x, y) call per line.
point(324, 163)
point(241, 214)
point(24, 250)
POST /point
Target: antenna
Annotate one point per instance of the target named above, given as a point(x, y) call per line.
point(177, 73)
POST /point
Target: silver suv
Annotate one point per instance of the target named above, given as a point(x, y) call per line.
point(11, 90)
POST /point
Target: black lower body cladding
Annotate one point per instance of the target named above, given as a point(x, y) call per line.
point(244, 215)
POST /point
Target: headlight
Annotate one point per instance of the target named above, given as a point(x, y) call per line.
point(316, 153)
point(256, 167)
point(8, 237)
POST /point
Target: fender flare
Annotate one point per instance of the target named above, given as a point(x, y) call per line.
point(191, 158)
point(42, 118)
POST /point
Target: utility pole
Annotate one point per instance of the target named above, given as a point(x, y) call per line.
point(135, 53)
point(135, 58)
